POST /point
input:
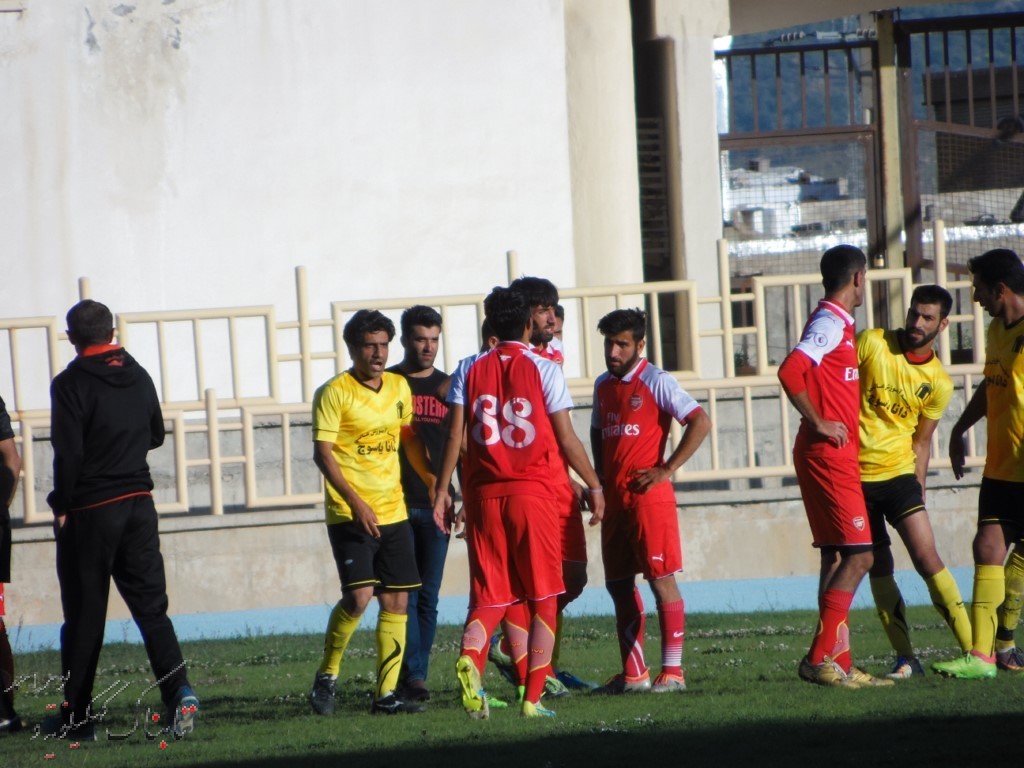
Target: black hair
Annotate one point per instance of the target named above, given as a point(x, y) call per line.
point(1000, 265)
point(839, 264)
point(538, 291)
point(508, 312)
point(363, 322)
point(614, 323)
point(559, 311)
point(428, 317)
point(90, 322)
point(933, 294)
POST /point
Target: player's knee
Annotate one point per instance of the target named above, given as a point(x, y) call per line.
point(574, 577)
point(572, 591)
point(989, 546)
point(356, 601)
point(859, 562)
point(927, 563)
point(882, 563)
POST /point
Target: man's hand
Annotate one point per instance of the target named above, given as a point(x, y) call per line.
point(596, 500)
point(579, 492)
point(459, 522)
point(644, 479)
point(835, 431)
point(431, 491)
point(443, 509)
point(956, 454)
point(58, 523)
point(363, 514)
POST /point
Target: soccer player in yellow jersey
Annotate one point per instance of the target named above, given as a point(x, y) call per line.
point(904, 392)
point(998, 280)
point(359, 418)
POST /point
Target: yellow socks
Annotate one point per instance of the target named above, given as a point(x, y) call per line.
point(947, 601)
point(390, 650)
point(1009, 611)
point(340, 628)
point(893, 614)
point(989, 590)
point(557, 648)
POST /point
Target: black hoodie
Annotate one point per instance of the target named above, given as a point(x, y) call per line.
point(105, 417)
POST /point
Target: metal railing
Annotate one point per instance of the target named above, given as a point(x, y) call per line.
point(235, 449)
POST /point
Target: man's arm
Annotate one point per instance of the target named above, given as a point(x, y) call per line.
point(157, 431)
point(697, 427)
point(596, 446)
point(922, 444)
point(792, 376)
point(576, 455)
point(416, 454)
point(10, 462)
point(449, 460)
point(66, 430)
point(362, 513)
point(972, 414)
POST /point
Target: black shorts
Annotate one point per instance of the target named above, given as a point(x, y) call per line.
point(387, 563)
point(890, 501)
point(1002, 502)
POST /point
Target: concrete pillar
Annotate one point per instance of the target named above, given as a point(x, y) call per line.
point(889, 113)
point(602, 142)
point(692, 25)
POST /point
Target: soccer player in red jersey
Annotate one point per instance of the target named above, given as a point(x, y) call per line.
point(635, 404)
point(542, 296)
point(514, 406)
point(821, 379)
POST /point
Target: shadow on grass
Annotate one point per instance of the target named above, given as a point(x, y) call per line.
point(907, 742)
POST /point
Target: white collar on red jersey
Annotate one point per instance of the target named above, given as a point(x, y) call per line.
point(837, 309)
point(633, 372)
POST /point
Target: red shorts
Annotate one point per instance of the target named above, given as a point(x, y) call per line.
point(513, 550)
point(642, 537)
point(570, 519)
point(833, 497)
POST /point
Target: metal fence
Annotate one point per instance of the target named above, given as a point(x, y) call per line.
point(244, 444)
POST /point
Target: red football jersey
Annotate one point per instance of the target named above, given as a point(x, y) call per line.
point(551, 351)
point(507, 394)
point(833, 384)
point(634, 415)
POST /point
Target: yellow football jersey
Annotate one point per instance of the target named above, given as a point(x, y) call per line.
point(364, 427)
point(894, 394)
point(1004, 395)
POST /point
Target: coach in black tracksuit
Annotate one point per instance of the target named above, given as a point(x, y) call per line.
point(105, 418)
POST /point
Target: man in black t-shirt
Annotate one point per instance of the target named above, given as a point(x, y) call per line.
point(421, 332)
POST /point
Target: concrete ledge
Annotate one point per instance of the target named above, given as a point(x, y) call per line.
point(280, 560)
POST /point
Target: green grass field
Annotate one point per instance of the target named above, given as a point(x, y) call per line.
point(745, 707)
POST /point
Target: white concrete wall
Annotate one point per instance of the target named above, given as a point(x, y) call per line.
point(603, 150)
point(190, 153)
point(283, 559)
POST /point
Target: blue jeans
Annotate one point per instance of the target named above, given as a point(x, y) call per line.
point(431, 551)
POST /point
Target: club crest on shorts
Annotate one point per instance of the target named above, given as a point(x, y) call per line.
point(858, 522)
point(636, 401)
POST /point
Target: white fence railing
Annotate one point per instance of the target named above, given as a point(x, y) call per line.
point(236, 383)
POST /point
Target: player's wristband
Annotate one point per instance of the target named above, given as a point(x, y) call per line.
point(595, 490)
